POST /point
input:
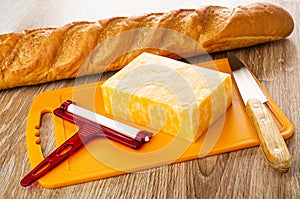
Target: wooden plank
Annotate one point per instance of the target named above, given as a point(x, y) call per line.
point(239, 174)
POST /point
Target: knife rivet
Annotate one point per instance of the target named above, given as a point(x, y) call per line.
point(256, 105)
point(276, 150)
point(262, 119)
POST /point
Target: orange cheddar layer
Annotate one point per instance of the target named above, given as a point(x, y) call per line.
point(168, 95)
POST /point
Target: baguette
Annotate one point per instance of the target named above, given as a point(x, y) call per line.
point(82, 48)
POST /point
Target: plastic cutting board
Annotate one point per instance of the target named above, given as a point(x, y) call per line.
point(102, 158)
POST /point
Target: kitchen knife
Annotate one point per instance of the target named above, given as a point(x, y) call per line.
point(269, 136)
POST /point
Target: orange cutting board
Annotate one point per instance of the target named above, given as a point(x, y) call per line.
point(102, 158)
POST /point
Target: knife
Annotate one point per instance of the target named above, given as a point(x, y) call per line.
point(269, 136)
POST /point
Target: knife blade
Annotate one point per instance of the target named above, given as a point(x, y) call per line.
point(269, 136)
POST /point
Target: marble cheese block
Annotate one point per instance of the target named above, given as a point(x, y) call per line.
point(168, 95)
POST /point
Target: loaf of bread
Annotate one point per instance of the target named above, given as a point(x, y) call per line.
point(82, 48)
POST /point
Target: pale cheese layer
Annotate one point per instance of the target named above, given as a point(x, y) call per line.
point(168, 95)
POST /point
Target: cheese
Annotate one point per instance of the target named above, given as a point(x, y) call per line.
point(168, 95)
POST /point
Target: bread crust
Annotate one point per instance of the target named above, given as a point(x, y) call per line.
point(82, 48)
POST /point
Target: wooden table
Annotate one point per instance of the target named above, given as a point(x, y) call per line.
point(239, 174)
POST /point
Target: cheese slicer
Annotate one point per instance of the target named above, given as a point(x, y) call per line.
point(91, 125)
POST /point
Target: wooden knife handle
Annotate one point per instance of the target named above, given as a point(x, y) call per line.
point(270, 138)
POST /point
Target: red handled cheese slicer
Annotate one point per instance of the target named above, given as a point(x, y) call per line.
point(91, 125)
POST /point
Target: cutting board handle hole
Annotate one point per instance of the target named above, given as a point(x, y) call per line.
point(38, 141)
point(45, 134)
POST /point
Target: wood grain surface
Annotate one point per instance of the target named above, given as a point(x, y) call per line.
point(239, 174)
